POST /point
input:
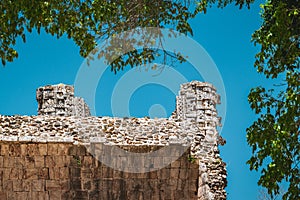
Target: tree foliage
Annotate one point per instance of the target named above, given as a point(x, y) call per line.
point(84, 21)
point(274, 136)
point(88, 21)
point(263, 195)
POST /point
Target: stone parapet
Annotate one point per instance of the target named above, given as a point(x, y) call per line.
point(59, 100)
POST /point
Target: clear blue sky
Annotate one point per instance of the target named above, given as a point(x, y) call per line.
point(225, 34)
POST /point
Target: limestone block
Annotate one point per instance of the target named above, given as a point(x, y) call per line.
point(30, 174)
point(54, 173)
point(53, 185)
point(4, 149)
point(65, 185)
point(8, 162)
point(64, 173)
point(3, 195)
point(52, 149)
point(81, 195)
point(42, 148)
point(174, 174)
point(28, 161)
point(21, 196)
point(87, 161)
point(14, 150)
point(15, 173)
point(37, 185)
point(39, 195)
point(39, 161)
point(43, 173)
point(32, 149)
point(7, 184)
point(55, 194)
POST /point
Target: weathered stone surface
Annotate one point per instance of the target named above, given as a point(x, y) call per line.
point(88, 180)
point(60, 100)
point(48, 156)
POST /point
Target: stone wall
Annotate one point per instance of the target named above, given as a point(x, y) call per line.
point(196, 106)
point(187, 143)
point(67, 171)
point(109, 130)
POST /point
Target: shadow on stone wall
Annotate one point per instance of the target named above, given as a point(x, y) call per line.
point(68, 171)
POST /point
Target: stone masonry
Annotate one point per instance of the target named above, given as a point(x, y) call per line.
point(196, 106)
point(52, 155)
point(59, 100)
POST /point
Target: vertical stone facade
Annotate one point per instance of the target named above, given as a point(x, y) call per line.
point(64, 171)
point(59, 100)
point(196, 107)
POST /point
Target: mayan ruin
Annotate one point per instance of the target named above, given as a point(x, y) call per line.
point(65, 153)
